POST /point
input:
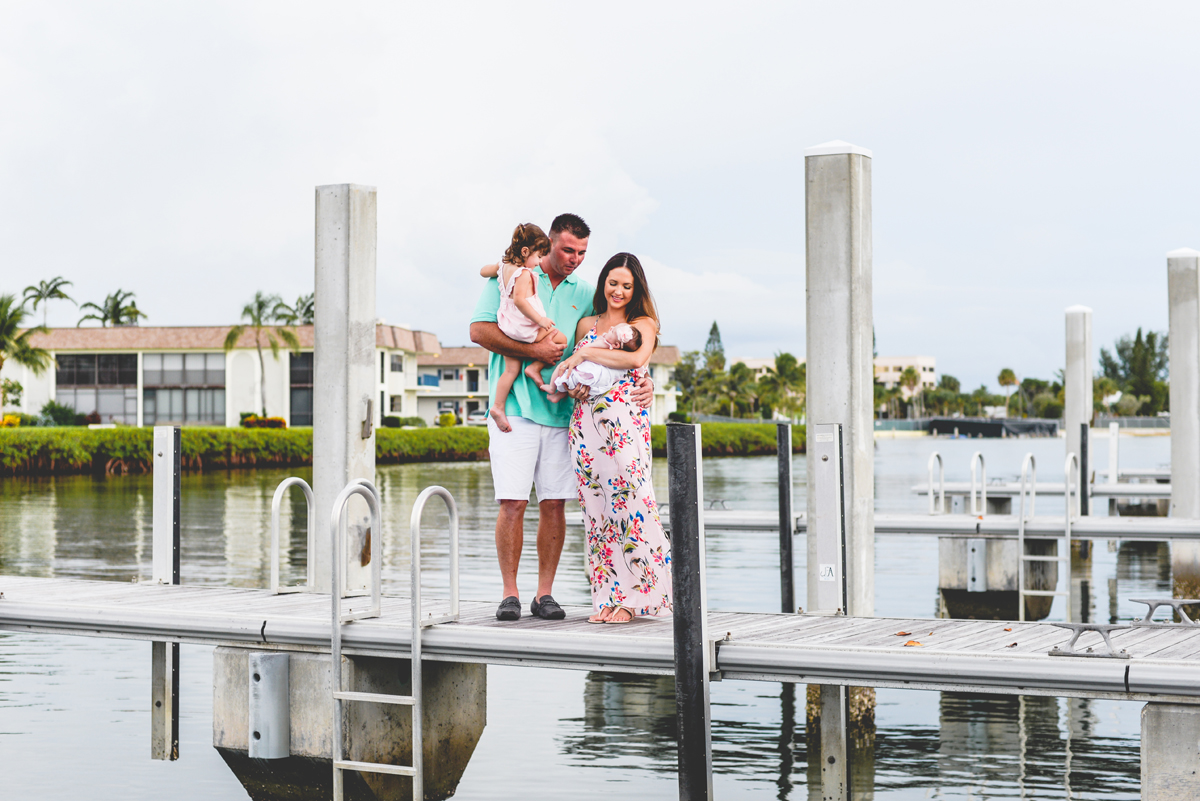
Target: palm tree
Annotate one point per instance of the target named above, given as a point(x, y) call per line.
point(259, 314)
point(14, 342)
point(113, 311)
point(45, 291)
point(910, 379)
point(784, 386)
point(299, 314)
point(1006, 379)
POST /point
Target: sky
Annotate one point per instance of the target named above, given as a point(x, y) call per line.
point(1026, 157)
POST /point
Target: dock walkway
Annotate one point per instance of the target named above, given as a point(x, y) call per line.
point(960, 655)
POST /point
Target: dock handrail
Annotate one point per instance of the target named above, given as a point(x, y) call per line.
point(982, 507)
point(276, 504)
point(367, 491)
point(415, 545)
point(941, 500)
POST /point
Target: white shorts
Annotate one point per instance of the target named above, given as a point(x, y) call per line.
point(530, 454)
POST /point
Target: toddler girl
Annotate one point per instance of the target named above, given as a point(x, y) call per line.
point(596, 377)
point(521, 315)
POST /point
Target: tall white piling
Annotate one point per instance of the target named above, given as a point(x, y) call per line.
point(1183, 298)
point(344, 369)
point(838, 338)
point(1078, 383)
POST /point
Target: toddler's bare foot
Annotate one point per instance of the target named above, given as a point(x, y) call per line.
point(554, 397)
point(501, 419)
point(535, 375)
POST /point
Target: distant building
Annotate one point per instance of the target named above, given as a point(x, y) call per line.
point(760, 367)
point(135, 375)
point(455, 380)
point(888, 370)
point(138, 375)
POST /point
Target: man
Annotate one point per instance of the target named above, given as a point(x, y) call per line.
point(536, 451)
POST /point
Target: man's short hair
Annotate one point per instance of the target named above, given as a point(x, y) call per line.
point(573, 224)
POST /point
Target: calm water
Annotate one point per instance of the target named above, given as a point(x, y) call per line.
point(74, 711)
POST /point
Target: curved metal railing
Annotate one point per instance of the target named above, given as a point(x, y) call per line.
point(276, 504)
point(941, 499)
point(979, 508)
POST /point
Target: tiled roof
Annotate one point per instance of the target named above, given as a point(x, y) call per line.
point(133, 338)
point(457, 356)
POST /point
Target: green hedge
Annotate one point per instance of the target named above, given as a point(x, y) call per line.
point(46, 451)
point(732, 439)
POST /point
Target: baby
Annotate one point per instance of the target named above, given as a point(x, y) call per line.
point(521, 315)
point(596, 377)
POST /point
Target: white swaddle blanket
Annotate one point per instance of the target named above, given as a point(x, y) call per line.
point(596, 377)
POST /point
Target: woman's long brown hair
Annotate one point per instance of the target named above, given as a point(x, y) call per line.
point(641, 304)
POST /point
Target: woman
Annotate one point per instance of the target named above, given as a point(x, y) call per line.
point(628, 554)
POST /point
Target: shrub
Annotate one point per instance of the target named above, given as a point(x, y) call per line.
point(732, 439)
point(678, 417)
point(390, 421)
point(447, 419)
point(10, 421)
point(419, 422)
point(57, 414)
point(254, 421)
point(243, 415)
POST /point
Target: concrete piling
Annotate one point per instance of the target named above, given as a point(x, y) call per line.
point(1170, 755)
point(1077, 387)
point(1183, 296)
point(344, 364)
point(838, 337)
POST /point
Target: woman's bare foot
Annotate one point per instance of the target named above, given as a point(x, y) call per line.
point(621, 614)
point(602, 616)
point(501, 419)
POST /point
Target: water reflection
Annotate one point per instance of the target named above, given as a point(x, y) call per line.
point(955, 747)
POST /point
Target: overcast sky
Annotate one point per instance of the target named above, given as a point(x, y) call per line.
point(1027, 156)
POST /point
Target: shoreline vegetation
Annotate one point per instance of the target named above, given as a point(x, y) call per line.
point(71, 450)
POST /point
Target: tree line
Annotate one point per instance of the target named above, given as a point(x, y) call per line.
point(707, 387)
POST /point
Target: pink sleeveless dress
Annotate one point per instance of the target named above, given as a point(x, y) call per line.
point(510, 319)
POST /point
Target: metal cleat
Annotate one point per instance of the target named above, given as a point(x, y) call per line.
point(1175, 603)
point(1100, 628)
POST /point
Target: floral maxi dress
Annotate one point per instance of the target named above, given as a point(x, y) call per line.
point(628, 553)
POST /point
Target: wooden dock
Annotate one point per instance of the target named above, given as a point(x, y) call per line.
point(960, 655)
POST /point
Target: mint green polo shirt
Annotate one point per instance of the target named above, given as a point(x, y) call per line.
point(566, 306)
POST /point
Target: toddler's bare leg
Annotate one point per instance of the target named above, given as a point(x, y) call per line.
point(512, 368)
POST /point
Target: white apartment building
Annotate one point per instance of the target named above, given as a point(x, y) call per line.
point(138, 375)
point(456, 380)
point(888, 370)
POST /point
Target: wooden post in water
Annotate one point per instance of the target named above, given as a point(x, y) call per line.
point(164, 656)
point(693, 659)
point(787, 520)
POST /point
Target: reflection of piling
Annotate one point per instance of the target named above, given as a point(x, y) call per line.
point(993, 564)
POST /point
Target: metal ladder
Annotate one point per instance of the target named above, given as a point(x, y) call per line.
point(1029, 486)
point(368, 492)
point(276, 503)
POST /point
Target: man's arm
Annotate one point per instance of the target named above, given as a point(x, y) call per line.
point(489, 336)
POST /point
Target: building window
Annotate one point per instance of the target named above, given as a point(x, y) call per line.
point(472, 380)
point(104, 384)
point(183, 388)
point(300, 368)
point(382, 367)
point(449, 374)
point(397, 403)
point(397, 363)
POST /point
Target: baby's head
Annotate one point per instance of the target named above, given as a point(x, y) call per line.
point(625, 337)
point(529, 244)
